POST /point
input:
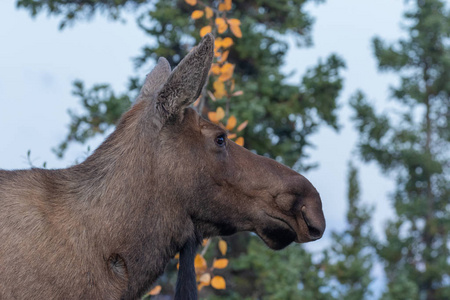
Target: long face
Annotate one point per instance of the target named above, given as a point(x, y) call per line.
point(237, 190)
point(224, 187)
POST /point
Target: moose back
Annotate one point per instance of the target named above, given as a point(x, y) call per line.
point(106, 228)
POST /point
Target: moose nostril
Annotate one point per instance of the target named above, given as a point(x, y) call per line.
point(315, 232)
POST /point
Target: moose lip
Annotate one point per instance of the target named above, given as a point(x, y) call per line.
point(289, 226)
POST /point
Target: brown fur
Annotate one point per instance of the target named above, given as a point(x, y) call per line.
point(106, 228)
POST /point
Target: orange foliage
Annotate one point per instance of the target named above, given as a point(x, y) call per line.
point(240, 141)
point(218, 282)
point(205, 30)
point(191, 2)
point(155, 291)
point(197, 14)
point(223, 247)
point(223, 86)
point(225, 6)
point(221, 25)
point(220, 263)
point(231, 123)
point(209, 12)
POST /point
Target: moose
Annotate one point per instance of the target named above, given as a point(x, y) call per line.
point(162, 181)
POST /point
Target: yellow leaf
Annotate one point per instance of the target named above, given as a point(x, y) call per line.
point(223, 247)
point(226, 72)
point(225, 76)
point(205, 30)
point(178, 266)
point(220, 113)
point(226, 68)
point(215, 69)
point(205, 278)
point(218, 282)
point(200, 263)
point(236, 31)
point(234, 26)
point(231, 122)
point(204, 242)
point(200, 286)
point(217, 53)
point(177, 256)
point(155, 291)
point(219, 89)
point(224, 56)
point(222, 28)
point(242, 126)
point(225, 6)
point(221, 25)
point(238, 93)
point(228, 4)
point(216, 116)
point(209, 12)
point(234, 22)
point(217, 43)
point(232, 85)
point(191, 2)
point(197, 14)
point(227, 42)
point(212, 116)
point(240, 141)
point(219, 86)
point(220, 263)
point(232, 136)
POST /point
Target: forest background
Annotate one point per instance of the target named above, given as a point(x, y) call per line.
point(303, 108)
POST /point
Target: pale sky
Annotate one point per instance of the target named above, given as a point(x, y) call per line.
point(38, 64)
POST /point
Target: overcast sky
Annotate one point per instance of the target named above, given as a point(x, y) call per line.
point(38, 64)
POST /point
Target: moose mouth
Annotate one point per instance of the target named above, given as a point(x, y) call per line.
point(277, 233)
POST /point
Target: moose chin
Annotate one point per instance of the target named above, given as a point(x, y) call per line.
point(162, 181)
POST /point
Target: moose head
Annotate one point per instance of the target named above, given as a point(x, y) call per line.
point(164, 179)
point(222, 186)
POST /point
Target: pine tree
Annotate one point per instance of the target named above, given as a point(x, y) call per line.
point(413, 145)
point(349, 260)
point(282, 117)
point(289, 274)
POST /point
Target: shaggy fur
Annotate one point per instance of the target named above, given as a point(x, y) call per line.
point(106, 228)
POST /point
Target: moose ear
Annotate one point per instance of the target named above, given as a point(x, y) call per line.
point(155, 79)
point(186, 82)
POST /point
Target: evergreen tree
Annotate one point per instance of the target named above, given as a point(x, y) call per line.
point(281, 116)
point(413, 144)
point(349, 260)
point(289, 274)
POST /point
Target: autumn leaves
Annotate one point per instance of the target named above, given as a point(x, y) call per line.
point(223, 90)
point(223, 85)
point(222, 23)
point(222, 71)
point(205, 276)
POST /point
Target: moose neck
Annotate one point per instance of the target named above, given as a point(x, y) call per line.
point(127, 204)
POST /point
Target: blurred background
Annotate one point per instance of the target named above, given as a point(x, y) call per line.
point(353, 94)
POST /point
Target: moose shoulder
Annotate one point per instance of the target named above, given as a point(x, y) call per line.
point(165, 178)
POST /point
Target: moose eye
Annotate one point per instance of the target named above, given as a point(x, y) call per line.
point(220, 140)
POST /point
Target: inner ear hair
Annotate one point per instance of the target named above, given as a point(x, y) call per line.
point(187, 80)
